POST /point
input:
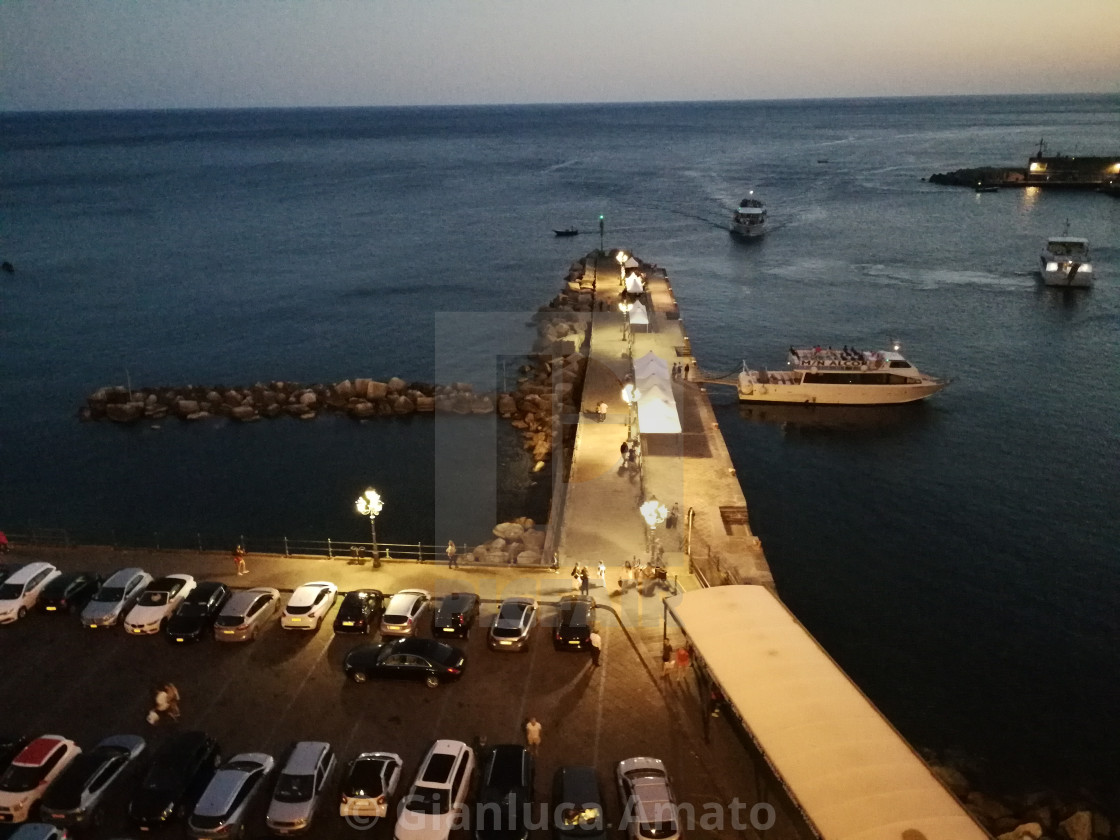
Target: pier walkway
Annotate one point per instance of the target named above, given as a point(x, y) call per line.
point(601, 520)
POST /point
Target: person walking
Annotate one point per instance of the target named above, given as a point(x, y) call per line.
point(596, 647)
point(239, 560)
point(533, 735)
point(667, 659)
point(683, 659)
point(584, 581)
point(603, 573)
point(452, 552)
point(575, 576)
point(172, 700)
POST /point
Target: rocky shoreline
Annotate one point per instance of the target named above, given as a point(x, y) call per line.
point(550, 382)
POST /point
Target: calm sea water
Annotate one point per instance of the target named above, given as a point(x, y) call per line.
point(959, 559)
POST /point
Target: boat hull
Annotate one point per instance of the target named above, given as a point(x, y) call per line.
point(1066, 278)
point(820, 394)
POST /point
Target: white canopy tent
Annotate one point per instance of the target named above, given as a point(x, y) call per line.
point(634, 284)
point(845, 766)
point(631, 263)
point(639, 316)
point(657, 407)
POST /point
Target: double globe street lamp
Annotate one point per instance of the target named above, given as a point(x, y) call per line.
point(370, 504)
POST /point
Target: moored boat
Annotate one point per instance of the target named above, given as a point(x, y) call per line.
point(1065, 262)
point(749, 220)
point(567, 232)
point(819, 376)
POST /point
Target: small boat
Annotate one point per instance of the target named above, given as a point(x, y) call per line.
point(981, 187)
point(1065, 262)
point(749, 220)
point(819, 376)
point(567, 232)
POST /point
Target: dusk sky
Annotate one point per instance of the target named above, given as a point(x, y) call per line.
point(92, 54)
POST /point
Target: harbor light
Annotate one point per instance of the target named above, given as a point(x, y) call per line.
point(622, 257)
point(624, 306)
point(654, 513)
point(370, 504)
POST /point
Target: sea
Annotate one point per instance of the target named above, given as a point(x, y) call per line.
point(960, 559)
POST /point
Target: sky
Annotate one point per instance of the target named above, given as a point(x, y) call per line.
point(125, 54)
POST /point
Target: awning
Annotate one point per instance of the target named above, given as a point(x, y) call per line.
point(843, 763)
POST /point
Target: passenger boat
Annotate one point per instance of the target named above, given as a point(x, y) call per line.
point(749, 220)
point(1065, 262)
point(819, 376)
point(567, 232)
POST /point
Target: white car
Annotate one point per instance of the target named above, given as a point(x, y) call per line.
point(435, 802)
point(159, 600)
point(308, 605)
point(402, 613)
point(20, 591)
point(22, 785)
point(649, 810)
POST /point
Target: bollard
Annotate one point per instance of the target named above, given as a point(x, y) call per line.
point(286, 552)
point(330, 551)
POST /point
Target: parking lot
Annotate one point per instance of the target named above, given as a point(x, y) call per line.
point(60, 677)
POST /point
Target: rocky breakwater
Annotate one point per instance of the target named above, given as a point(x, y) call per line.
point(516, 543)
point(358, 398)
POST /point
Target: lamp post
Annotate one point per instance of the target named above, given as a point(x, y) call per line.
point(370, 504)
point(654, 513)
point(624, 306)
point(622, 257)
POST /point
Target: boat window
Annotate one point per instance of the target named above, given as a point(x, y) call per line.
point(900, 364)
point(854, 377)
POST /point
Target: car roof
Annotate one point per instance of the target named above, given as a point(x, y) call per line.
point(304, 758)
point(166, 582)
point(440, 762)
point(308, 592)
point(459, 600)
point(241, 601)
point(204, 589)
point(362, 594)
point(39, 750)
point(122, 576)
point(24, 573)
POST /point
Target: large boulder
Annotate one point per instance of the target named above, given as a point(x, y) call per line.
point(528, 557)
point(1025, 831)
point(508, 531)
point(533, 540)
point(361, 409)
point(403, 405)
point(128, 412)
point(375, 390)
point(425, 404)
point(244, 413)
point(1077, 826)
point(185, 408)
point(345, 389)
point(396, 385)
point(308, 399)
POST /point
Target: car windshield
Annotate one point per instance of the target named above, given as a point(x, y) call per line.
point(511, 612)
point(228, 621)
point(507, 632)
point(10, 591)
point(191, 608)
point(153, 599)
point(427, 800)
point(292, 788)
point(365, 779)
point(109, 594)
point(395, 619)
point(18, 779)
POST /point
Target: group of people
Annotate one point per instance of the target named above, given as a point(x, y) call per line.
point(165, 703)
point(680, 371)
point(581, 578)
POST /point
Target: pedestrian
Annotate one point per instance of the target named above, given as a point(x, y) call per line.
point(686, 373)
point(555, 562)
point(533, 735)
point(584, 581)
point(667, 663)
point(674, 515)
point(601, 411)
point(683, 658)
point(172, 700)
point(575, 576)
point(165, 704)
point(239, 560)
point(603, 573)
point(596, 642)
point(452, 562)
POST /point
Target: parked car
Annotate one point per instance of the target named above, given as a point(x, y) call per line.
point(575, 619)
point(115, 597)
point(649, 810)
point(577, 804)
point(308, 605)
point(221, 810)
point(6, 570)
point(456, 615)
point(31, 772)
point(69, 592)
point(299, 790)
point(505, 794)
point(38, 831)
point(245, 613)
point(20, 591)
point(371, 780)
point(180, 770)
point(420, 659)
point(159, 600)
point(402, 613)
point(435, 802)
point(513, 624)
point(358, 611)
point(76, 797)
point(196, 613)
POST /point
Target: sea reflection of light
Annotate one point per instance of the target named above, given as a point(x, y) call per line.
point(836, 418)
point(1030, 197)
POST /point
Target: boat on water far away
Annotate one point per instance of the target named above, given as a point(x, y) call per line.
point(567, 232)
point(749, 220)
point(819, 376)
point(1065, 262)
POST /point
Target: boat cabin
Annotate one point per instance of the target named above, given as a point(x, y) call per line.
point(1067, 246)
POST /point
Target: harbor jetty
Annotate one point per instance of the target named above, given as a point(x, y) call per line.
point(1074, 172)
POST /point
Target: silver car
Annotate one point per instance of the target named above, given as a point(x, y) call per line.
point(221, 810)
point(402, 613)
point(513, 624)
point(299, 790)
point(115, 598)
point(245, 613)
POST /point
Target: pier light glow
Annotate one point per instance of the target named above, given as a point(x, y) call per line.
point(653, 512)
point(370, 504)
point(622, 257)
point(630, 393)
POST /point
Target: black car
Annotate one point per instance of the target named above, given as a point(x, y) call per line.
point(577, 803)
point(456, 615)
point(359, 611)
point(179, 772)
point(505, 794)
point(77, 797)
point(69, 592)
point(196, 613)
point(575, 619)
point(410, 658)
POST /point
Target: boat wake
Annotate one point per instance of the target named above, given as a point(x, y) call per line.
point(937, 278)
